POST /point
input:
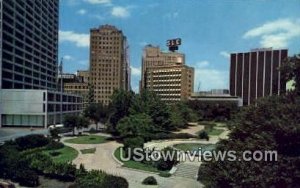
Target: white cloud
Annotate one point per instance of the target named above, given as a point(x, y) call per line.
point(135, 71)
point(98, 1)
point(81, 12)
point(225, 54)
point(68, 57)
point(208, 78)
point(277, 33)
point(120, 12)
point(83, 62)
point(202, 64)
point(80, 39)
point(171, 15)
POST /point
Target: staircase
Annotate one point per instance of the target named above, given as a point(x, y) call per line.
point(187, 171)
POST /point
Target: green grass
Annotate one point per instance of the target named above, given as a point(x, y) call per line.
point(89, 139)
point(215, 132)
point(135, 164)
point(209, 127)
point(194, 146)
point(65, 154)
point(88, 151)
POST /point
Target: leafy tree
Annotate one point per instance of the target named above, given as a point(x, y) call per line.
point(149, 103)
point(291, 71)
point(121, 101)
point(135, 125)
point(97, 112)
point(73, 121)
point(272, 124)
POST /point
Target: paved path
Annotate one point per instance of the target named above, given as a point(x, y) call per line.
point(103, 160)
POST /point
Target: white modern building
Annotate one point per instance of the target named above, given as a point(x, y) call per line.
point(36, 108)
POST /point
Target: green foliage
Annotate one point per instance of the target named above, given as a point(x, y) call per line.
point(31, 141)
point(181, 114)
point(121, 101)
point(272, 124)
point(207, 110)
point(97, 112)
point(291, 71)
point(135, 125)
point(97, 178)
point(150, 181)
point(163, 164)
point(203, 135)
point(165, 174)
point(53, 145)
point(75, 121)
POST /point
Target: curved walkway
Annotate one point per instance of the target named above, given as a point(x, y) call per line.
point(103, 159)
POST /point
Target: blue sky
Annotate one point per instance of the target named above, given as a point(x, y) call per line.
point(210, 31)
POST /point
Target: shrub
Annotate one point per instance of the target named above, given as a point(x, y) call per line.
point(165, 174)
point(114, 181)
point(31, 141)
point(27, 178)
point(149, 181)
point(53, 145)
point(203, 135)
point(164, 136)
point(97, 178)
point(55, 153)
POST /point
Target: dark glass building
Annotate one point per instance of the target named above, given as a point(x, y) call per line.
point(28, 44)
point(255, 74)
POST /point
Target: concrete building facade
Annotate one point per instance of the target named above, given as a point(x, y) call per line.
point(166, 74)
point(28, 65)
point(36, 108)
point(109, 62)
point(255, 74)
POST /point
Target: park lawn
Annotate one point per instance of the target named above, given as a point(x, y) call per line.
point(215, 132)
point(88, 139)
point(193, 146)
point(135, 164)
point(88, 151)
point(66, 154)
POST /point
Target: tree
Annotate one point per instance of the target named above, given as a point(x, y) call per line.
point(149, 103)
point(135, 125)
point(273, 124)
point(75, 122)
point(121, 101)
point(97, 112)
point(291, 71)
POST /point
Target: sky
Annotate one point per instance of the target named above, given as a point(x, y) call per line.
point(210, 30)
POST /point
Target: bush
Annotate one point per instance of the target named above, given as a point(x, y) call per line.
point(27, 178)
point(53, 145)
point(97, 178)
point(149, 181)
point(164, 136)
point(115, 181)
point(32, 141)
point(165, 174)
point(55, 153)
point(203, 135)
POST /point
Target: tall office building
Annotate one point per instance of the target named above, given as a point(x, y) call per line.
point(255, 74)
point(28, 65)
point(166, 74)
point(29, 43)
point(109, 62)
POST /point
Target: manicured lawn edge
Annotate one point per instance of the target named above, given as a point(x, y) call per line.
point(68, 154)
point(134, 165)
point(87, 139)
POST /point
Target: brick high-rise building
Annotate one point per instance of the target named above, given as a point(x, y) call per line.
point(255, 74)
point(166, 74)
point(28, 44)
point(109, 62)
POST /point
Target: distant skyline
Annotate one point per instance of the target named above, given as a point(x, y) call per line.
point(210, 31)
